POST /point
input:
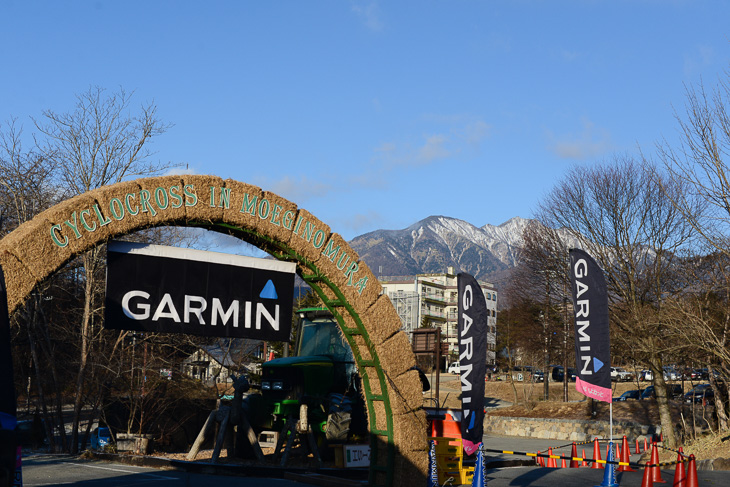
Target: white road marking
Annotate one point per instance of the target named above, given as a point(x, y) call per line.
point(129, 472)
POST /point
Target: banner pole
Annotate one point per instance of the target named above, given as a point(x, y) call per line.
point(610, 413)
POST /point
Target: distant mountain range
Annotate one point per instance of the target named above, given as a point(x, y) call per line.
point(436, 243)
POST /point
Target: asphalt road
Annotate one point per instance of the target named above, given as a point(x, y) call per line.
point(56, 470)
point(52, 470)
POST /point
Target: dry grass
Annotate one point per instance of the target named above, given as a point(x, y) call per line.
point(710, 446)
point(525, 393)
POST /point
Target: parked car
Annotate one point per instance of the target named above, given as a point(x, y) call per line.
point(700, 394)
point(705, 374)
point(629, 395)
point(691, 374)
point(558, 374)
point(670, 373)
point(673, 391)
point(100, 438)
point(454, 368)
point(538, 376)
point(572, 374)
point(619, 374)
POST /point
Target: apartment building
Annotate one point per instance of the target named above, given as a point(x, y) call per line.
point(431, 300)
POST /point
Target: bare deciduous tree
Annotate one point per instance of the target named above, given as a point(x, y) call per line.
point(699, 162)
point(542, 276)
point(620, 214)
point(100, 142)
point(26, 189)
point(700, 319)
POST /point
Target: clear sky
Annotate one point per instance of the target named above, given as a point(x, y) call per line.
point(377, 114)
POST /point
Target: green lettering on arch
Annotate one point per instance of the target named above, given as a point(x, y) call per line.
point(249, 205)
point(330, 251)
point(308, 231)
point(144, 201)
point(225, 198)
point(360, 284)
point(264, 208)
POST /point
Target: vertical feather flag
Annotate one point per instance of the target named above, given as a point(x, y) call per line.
point(433, 477)
point(472, 323)
point(592, 340)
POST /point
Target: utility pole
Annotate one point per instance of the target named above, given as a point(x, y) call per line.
point(546, 382)
point(565, 348)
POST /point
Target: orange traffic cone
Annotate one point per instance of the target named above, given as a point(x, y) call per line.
point(691, 473)
point(680, 475)
point(574, 454)
point(637, 450)
point(596, 455)
point(646, 444)
point(538, 459)
point(656, 474)
point(625, 457)
point(551, 463)
point(584, 463)
point(562, 463)
point(646, 480)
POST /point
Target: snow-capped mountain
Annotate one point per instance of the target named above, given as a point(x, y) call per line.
point(439, 242)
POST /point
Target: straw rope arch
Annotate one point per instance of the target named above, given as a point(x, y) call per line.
point(397, 424)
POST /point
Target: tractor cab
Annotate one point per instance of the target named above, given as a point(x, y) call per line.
point(319, 380)
point(320, 335)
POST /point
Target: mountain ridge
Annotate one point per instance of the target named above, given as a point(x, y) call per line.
point(438, 242)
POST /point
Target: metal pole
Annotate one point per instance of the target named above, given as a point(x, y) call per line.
point(546, 383)
point(438, 367)
point(610, 413)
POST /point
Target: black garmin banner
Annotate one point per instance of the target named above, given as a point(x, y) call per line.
point(174, 290)
point(592, 339)
point(472, 323)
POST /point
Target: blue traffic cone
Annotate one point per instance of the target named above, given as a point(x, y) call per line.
point(609, 473)
point(480, 472)
point(433, 476)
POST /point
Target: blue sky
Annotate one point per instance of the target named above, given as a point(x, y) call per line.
point(374, 114)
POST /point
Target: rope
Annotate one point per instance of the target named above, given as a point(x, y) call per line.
point(672, 450)
point(577, 443)
point(579, 459)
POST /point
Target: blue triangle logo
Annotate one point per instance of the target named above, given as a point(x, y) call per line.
point(269, 291)
point(597, 364)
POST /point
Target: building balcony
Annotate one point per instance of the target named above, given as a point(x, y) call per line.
point(438, 315)
point(433, 297)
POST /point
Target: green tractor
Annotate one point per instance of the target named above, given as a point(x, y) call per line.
point(315, 393)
